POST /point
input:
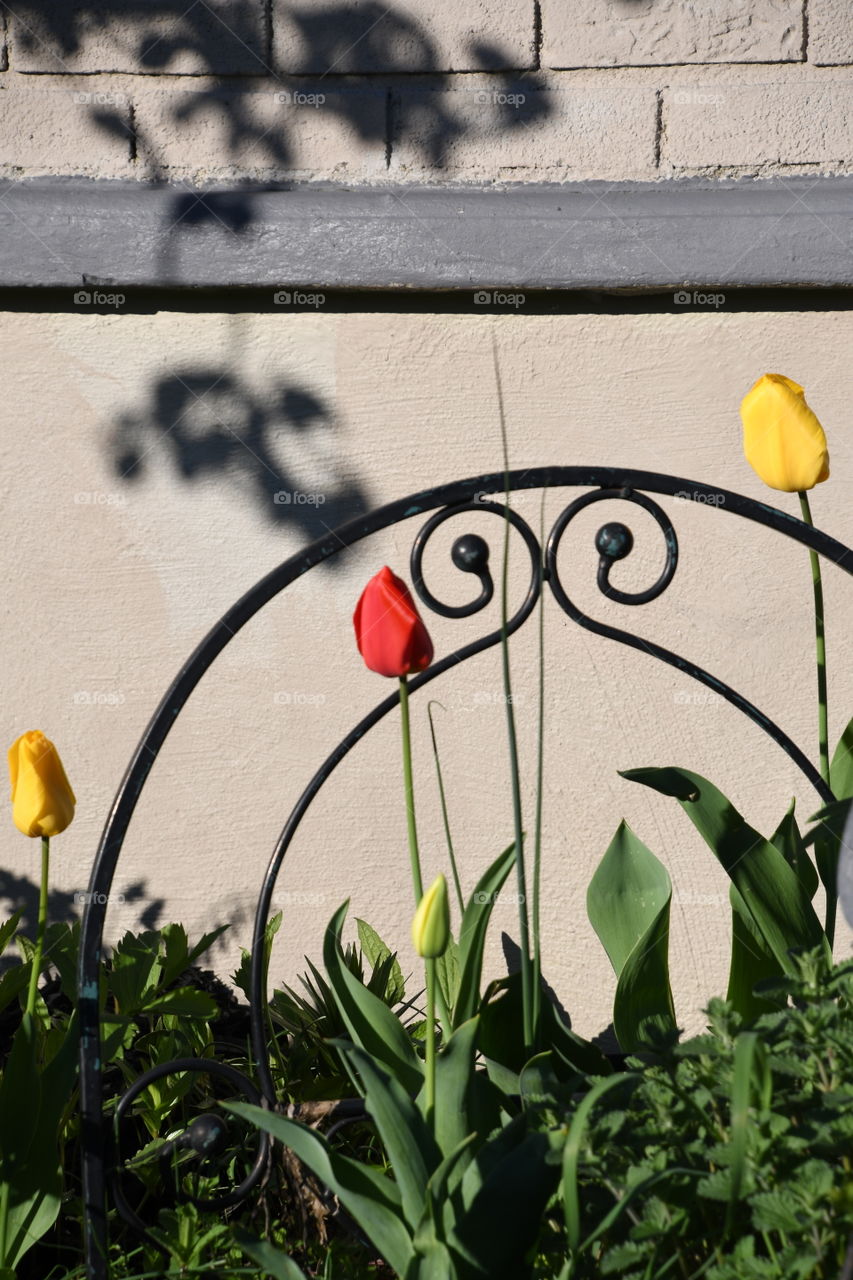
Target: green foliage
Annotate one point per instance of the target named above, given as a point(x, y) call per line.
point(628, 904)
point(728, 1155)
point(444, 1211)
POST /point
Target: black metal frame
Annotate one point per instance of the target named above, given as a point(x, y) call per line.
point(470, 554)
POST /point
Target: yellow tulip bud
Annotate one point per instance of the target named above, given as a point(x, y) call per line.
point(783, 441)
point(42, 799)
point(431, 925)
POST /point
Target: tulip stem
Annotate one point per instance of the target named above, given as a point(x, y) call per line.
point(4, 1219)
point(521, 879)
point(414, 855)
point(453, 867)
point(820, 643)
point(42, 924)
point(430, 1042)
point(822, 703)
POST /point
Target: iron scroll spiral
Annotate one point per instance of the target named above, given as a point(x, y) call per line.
point(615, 542)
point(205, 1136)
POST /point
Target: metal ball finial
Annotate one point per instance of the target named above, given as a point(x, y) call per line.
point(614, 541)
point(470, 553)
point(206, 1135)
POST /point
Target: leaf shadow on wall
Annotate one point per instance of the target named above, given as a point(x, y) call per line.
point(276, 450)
point(258, 110)
point(64, 907)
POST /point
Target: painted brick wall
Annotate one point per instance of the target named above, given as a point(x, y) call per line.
point(369, 91)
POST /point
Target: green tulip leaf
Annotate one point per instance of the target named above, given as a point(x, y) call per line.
point(472, 935)
point(751, 962)
point(502, 1038)
point(828, 837)
point(771, 891)
point(373, 1200)
point(405, 1134)
point(454, 1070)
point(841, 766)
point(628, 903)
point(789, 842)
point(368, 1019)
point(504, 1217)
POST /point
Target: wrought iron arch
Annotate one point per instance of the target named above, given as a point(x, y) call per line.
point(470, 554)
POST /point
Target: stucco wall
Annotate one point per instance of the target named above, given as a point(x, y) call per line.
point(362, 91)
point(140, 458)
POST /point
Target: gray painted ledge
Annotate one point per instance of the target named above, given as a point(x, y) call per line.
point(690, 232)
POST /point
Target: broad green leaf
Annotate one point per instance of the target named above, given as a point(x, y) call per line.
point(373, 1200)
point(472, 934)
point(752, 961)
point(206, 941)
point(771, 891)
point(828, 836)
point(12, 983)
point(454, 1069)
point(369, 1021)
point(502, 1039)
point(409, 1145)
point(135, 970)
point(628, 904)
point(7, 929)
point(177, 952)
point(441, 1182)
point(789, 842)
point(31, 1105)
point(186, 1001)
point(433, 1262)
point(841, 766)
point(275, 1264)
point(448, 973)
point(504, 1219)
point(378, 952)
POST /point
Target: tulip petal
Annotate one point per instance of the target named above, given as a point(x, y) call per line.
point(42, 800)
point(783, 440)
point(390, 634)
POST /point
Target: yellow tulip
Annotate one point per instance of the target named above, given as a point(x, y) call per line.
point(431, 925)
point(42, 799)
point(783, 441)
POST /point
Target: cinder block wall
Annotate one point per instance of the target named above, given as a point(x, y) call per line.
point(433, 90)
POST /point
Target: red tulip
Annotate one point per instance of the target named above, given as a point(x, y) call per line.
point(389, 632)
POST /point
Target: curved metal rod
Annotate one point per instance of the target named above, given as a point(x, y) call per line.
point(127, 796)
point(614, 542)
point(257, 1002)
point(209, 1066)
